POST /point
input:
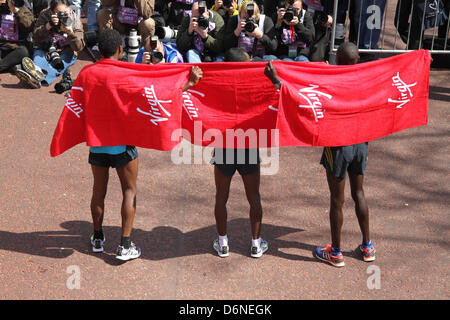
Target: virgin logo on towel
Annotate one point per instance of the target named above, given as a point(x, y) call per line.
point(73, 106)
point(404, 89)
point(156, 111)
point(188, 104)
point(312, 96)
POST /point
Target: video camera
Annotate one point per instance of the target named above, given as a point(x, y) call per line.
point(250, 21)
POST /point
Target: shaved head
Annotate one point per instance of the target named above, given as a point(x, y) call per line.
point(347, 53)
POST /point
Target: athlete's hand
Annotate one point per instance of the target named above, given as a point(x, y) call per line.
point(271, 73)
point(194, 77)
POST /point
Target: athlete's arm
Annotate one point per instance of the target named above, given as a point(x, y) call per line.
point(271, 73)
point(194, 77)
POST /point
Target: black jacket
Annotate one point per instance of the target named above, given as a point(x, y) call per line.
point(305, 32)
point(269, 39)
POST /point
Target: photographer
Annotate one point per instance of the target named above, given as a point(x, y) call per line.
point(295, 31)
point(16, 23)
point(58, 35)
point(322, 12)
point(200, 36)
point(154, 52)
point(226, 9)
point(253, 32)
point(109, 17)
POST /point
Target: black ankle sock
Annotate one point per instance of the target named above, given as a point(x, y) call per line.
point(125, 242)
point(98, 234)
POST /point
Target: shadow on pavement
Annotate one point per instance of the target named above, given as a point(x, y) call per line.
point(162, 242)
point(439, 93)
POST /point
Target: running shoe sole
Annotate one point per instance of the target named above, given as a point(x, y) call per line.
point(29, 66)
point(28, 79)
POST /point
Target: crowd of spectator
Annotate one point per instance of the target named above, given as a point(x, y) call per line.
point(40, 39)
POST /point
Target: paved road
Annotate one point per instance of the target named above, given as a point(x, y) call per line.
point(45, 218)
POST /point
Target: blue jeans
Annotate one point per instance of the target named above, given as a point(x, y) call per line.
point(93, 6)
point(193, 56)
point(41, 61)
point(269, 57)
point(299, 58)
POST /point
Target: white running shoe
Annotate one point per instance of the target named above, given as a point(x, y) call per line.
point(258, 252)
point(222, 251)
point(127, 254)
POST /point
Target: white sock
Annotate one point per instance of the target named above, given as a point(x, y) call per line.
point(223, 240)
point(256, 242)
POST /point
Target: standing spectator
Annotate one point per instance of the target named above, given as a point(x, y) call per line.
point(409, 15)
point(261, 42)
point(295, 32)
point(14, 47)
point(93, 7)
point(201, 35)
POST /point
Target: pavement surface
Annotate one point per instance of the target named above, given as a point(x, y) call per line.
point(45, 220)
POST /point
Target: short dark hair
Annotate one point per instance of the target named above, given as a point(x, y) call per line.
point(55, 3)
point(236, 55)
point(347, 53)
point(109, 42)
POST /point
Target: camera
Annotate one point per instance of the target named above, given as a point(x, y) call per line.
point(203, 23)
point(250, 22)
point(64, 19)
point(202, 7)
point(65, 84)
point(289, 14)
point(320, 18)
point(54, 58)
point(155, 55)
point(227, 3)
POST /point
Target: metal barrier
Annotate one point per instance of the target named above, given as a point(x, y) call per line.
point(380, 45)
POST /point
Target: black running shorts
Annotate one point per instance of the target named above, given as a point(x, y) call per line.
point(338, 160)
point(245, 161)
point(113, 160)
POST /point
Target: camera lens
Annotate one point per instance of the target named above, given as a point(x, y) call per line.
point(203, 23)
point(249, 26)
point(156, 56)
point(289, 14)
